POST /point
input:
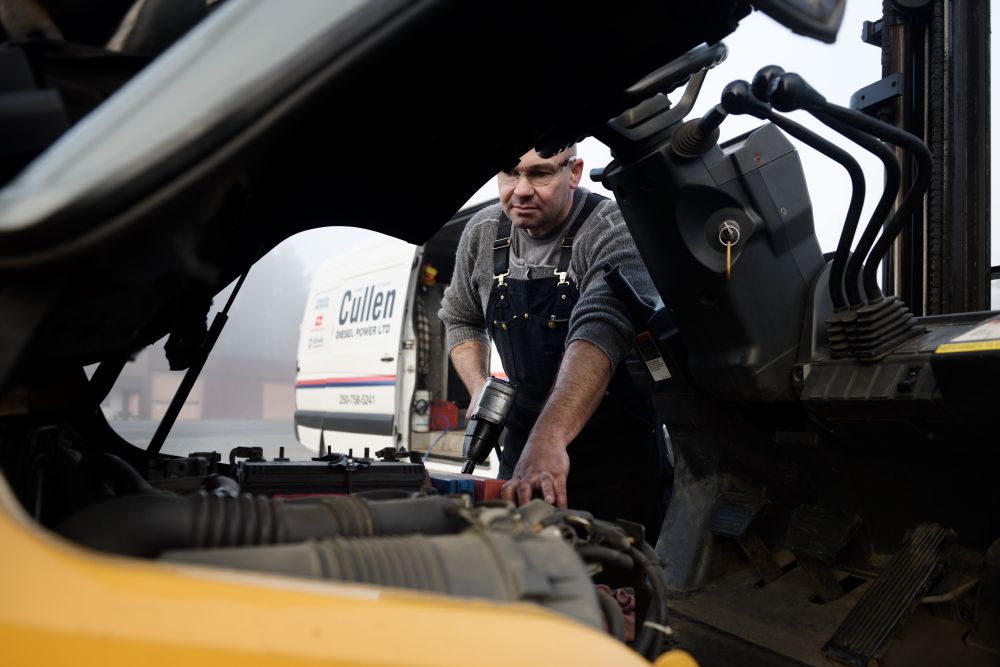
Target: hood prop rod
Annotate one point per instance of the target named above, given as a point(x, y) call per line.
point(181, 395)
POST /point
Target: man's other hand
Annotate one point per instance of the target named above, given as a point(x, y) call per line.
point(542, 466)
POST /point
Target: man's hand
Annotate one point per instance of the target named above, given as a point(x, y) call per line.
point(583, 378)
point(543, 466)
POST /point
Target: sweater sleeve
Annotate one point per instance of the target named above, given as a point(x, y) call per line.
point(599, 317)
point(462, 305)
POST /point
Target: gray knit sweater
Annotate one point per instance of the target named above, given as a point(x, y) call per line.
point(598, 317)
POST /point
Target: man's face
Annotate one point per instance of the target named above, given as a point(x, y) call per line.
point(537, 194)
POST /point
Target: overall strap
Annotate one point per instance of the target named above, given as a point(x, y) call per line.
point(501, 245)
point(566, 249)
point(501, 249)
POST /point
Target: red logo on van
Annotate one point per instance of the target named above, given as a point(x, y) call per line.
point(319, 322)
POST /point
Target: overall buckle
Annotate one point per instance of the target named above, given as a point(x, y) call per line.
point(499, 278)
point(562, 276)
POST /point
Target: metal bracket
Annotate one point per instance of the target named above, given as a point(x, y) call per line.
point(872, 96)
point(871, 32)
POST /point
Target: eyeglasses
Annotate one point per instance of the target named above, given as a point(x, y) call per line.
point(538, 177)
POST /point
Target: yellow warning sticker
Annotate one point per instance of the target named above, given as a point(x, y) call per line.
point(970, 346)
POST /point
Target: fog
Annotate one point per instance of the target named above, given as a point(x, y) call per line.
point(264, 319)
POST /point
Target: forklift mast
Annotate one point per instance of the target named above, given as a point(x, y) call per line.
point(936, 85)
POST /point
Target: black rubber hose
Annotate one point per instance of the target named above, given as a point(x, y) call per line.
point(138, 525)
point(649, 639)
point(910, 202)
point(611, 534)
point(645, 635)
point(120, 473)
point(645, 566)
point(892, 180)
point(919, 150)
point(593, 553)
point(840, 292)
point(145, 525)
point(658, 580)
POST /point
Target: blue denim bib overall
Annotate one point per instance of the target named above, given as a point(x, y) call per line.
point(618, 462)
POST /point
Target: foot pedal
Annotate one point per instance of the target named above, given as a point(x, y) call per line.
point(817, 536)
point(865, 633)
point(732, 517)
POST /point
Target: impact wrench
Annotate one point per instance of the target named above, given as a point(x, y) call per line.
point(486, 423)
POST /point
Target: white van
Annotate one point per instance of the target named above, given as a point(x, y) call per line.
point(373, 367)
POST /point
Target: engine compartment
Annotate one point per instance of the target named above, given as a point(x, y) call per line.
point(836, 476)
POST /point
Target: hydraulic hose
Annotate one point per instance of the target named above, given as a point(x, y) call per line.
point(855, 264)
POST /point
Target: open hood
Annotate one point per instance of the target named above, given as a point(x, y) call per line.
point(261, 123)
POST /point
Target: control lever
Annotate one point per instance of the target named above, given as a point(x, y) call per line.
point(789, 91)
point(699, 134)
point(650, 112)
point(739, 97)
point(486, 424)
point(762, 83)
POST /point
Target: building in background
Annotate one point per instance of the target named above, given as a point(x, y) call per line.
point(229, 387)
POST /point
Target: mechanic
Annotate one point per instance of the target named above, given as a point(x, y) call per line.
point(528, 274)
